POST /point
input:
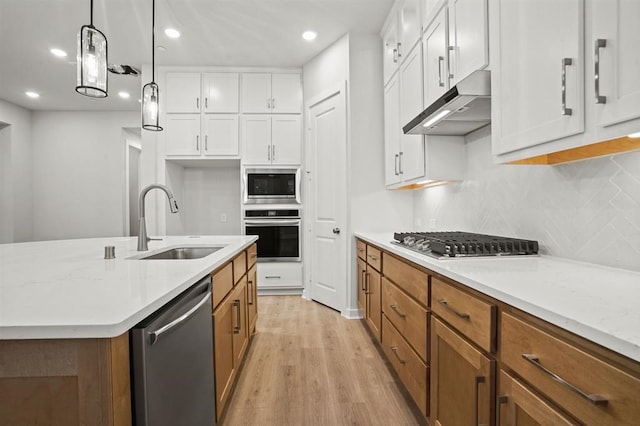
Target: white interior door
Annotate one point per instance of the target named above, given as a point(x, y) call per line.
point(327, 184)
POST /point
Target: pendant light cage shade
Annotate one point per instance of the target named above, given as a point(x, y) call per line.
point(151, 107)
point(92, 62)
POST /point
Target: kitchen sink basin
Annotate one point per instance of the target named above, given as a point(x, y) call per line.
point(182, 253)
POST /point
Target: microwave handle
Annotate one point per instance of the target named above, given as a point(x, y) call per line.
point(271, 222)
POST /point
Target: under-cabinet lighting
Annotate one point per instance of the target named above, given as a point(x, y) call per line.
point(634, 135)
point(439, 116)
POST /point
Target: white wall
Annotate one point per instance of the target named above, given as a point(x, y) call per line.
point(587, 210)
point(79, 173)
point(15, 176)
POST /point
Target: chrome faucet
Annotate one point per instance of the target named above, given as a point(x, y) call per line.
point(142, 233)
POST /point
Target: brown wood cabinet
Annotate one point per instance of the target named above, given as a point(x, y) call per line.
point(519, 406)
point(369, 286)
point(374, 296)
point(462, 380)
point(362, 287)
point(234, 319)
point(65, 382)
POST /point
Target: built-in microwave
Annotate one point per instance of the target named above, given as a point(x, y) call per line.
point(271, 186)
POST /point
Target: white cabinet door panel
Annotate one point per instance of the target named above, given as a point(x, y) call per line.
point(256, 93)
point(183, 134)
point(533, 38)
point(435, 58)
point(285, 139)
point(256, 139)
point(392, 132)
point(221, 92)
point(411, 86)
point(390, 50)
point(286, 92)
point(220, 134)
point(183, 92)
point(468, 37)
point(410, 25)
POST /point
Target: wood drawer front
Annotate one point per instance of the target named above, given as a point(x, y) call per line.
point(252, 255)
point(521, 405)
point(410, 279)
point(471, 316)
point(239, 266)
point(222, 283)
point(587, 373)
point(361, 249)
point(407, 315)
point(374, 257)
point(412, 371)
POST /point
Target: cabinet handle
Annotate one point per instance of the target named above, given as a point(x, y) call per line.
point(394, 349)
point(268, 103)
point(479, 379)
point(197, 142)
point(250, 284)
point(368, 278)
point(197, 103)
point(395, 56)
point(600, 43)
point(273, 103)
point(440, 64)
point(396, 164)
point(400, 163)
point(565, 62)
point(363, 287)
point(206, 142)
point(236, 328)
point(395, 309)
point(373, 258)
point(273, 152)
point(592, 398)
point(501, 399)
point(399, 54)
point(206, 103)
point(462, 315)
point(268, 153)
point(449, 50)
point(275, 277)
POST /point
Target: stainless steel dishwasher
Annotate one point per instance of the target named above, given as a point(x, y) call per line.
point(172, 362)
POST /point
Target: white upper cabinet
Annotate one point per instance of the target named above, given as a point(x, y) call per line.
point(220, 133)
point(286, 139)
point(615, 43)
point(221, 92)
point(271, 93)
point(537, 72)
point(182, 132)
point(429, 8)
point(271, 139)
point(435, 67)
point(409, 26)
point(392, 131)
point(183, 92)
point(390, 49)
point(411, 146)
point(468, 37)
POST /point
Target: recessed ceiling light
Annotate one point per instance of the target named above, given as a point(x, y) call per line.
point(172, 33)
point(124, 95)
point(58, 52)
point(32, 95)
point(309, 35)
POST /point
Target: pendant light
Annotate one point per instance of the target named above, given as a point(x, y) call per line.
point(92, 61)
point(150, 100)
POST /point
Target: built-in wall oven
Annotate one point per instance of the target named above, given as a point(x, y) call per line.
point(279, 233)
point(271, 186)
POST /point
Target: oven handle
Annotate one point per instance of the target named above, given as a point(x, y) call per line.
point(271, 222)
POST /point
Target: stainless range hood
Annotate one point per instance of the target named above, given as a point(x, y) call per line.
point(461, 110)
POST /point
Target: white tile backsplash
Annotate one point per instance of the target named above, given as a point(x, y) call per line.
point(587, 210)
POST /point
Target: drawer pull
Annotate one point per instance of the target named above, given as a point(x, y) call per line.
point(372, 257)
point(502, 399)
point(479, 379)
point(395, 309)
point(594, 399)
point(394, 349)
point(273, 277)
point(462, 315)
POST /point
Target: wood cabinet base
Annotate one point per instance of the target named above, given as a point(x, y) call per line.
point(65, 382)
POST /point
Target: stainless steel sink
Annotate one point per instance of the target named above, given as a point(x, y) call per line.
point(182, 253)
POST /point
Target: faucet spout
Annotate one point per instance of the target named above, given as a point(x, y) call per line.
point(143, 239)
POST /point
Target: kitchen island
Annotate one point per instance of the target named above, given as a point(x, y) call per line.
point(65, 312)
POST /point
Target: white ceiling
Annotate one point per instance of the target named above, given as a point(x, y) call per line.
point(214, 33)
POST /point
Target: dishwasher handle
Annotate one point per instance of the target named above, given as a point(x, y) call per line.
point(155, 335)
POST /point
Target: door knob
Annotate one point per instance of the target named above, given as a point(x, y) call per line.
point(336, 231)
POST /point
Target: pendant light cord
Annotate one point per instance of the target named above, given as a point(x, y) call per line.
point(153, 37)
point(91, 20)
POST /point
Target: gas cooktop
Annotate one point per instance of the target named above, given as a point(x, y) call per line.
point(444, 245)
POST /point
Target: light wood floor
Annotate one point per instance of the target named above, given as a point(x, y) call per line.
point(309, 366)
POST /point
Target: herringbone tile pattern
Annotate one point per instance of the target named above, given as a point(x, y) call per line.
point(587, 211)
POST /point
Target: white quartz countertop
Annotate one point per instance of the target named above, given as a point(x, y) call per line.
point(598, 303)
point(66, 289)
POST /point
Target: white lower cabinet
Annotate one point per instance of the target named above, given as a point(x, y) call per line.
point(271, 139)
